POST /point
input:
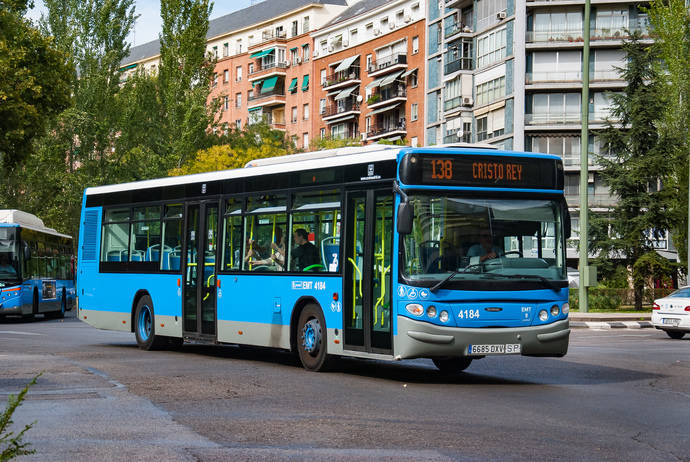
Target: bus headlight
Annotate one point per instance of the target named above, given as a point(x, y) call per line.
point(543, 315)
point(431, 311)
point(415, 309)
point(444, 316)
point(566, 308)
point(555, 310)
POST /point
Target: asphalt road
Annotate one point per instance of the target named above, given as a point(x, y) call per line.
point(619, 394)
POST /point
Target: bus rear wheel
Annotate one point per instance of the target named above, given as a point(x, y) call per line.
point(311, 340)
point(452, 365)
point(144, 325)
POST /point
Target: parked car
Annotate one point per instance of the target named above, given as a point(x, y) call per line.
point(672, 313)
point(573, 278)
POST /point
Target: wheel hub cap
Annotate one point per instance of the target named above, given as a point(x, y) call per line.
point(311, 337)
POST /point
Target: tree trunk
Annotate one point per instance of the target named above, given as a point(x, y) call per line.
point(639, 292)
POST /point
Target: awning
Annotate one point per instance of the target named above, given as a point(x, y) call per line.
point(340, 119)
point(293, 49)
point(410, 72)
point(390, 79)
point(258, 108)
point(384, 109)
point(293, 85)
point(346, 63)
point(345, 93)
point(305, 83)
point(269, 84)
point(375, 83)
point(260, 54)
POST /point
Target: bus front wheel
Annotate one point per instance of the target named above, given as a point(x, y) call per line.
point(311, 341)
point(144, 325)
point(452, 365)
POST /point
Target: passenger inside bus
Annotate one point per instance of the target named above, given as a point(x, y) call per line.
point(6, 269)
point(277, 257)
point(305, 254)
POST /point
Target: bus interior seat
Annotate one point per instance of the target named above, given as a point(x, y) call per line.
point(330, 248)
point(114, 255)
point(153, 253)
point(174, 259)
point(137, 255)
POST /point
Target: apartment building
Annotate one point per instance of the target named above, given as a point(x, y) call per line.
point(369, 62)
point(509, 72)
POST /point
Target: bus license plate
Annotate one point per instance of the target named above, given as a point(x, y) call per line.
point(671, 321)
point(503, 349)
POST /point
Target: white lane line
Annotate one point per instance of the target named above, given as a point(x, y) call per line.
point(16, 332)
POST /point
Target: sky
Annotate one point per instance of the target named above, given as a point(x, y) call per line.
point(148, 25)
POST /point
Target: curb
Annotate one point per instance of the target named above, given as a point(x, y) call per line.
point(611, 324)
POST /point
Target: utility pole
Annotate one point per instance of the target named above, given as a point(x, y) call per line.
point(584, 169)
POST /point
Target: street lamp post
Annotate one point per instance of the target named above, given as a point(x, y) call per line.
point(584, 170)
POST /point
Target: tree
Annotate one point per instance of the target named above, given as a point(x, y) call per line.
point(256, 142)
point(184, 79)
point(34, 84)
point(670, 20)
point(636, 165)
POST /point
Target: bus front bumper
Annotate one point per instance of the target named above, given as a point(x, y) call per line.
point(417, 339)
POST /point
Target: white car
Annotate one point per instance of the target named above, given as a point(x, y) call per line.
point(672, 313)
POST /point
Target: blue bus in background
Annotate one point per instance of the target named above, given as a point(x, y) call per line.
point(36, 267)
point(382, 252)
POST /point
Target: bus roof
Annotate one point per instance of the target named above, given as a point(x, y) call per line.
point(294, 163)
point(27, 220)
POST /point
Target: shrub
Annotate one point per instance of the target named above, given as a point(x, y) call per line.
point(11, 445)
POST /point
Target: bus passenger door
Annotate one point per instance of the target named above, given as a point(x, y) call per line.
point(201, 243)
point(367, 283)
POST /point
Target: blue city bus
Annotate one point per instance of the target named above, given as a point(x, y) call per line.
point(380, 252)
point(36, 267)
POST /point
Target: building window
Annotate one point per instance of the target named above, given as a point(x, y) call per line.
point(238, 99)
point(226, 50)
point(415, 45)
point(324, 47)
point(215, 52)
point(322, 133)
point(338, 132)
point(305, 25)
point(238, 124)
point(294, 56)
point(305, 52)
point(481, 128)
point(414, 112)
point(238, 74)
point(554, 108)
point(250, 68)
point(353, 37)
point(305, 140)
point(226, 103)
point(323, 77)
point(490, 91)
point(294, 114)
point(305, 111)
point(238, 47)
point(294, 28)
point(215, 79)
point(322, 106)
point(414, 142)
point(414, 80)
point(487, 11)
point(491, 48)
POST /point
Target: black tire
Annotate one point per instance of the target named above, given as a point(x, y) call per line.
point(452, 365)
point(145, 326)
point(311, 339)
point(675, 334)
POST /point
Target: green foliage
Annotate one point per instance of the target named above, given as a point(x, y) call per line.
point(637, 163)
point(333, 143)
point(11, 444)
point(670, 21)
point(615, 278)
point(34, 83)
point(398, 142)
point(599, 299)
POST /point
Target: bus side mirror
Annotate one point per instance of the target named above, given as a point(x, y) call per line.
point(27, 252)
point(405, 217)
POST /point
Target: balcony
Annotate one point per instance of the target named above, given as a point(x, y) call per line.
point(387, 64)
point(554, 118)
point(342, 79)
point(274, 97)
point(386, 96)
point(576, 36)
point(555, 35)
point(453, 138)
point(556, 76)
point(456, 28)
point(379, 131)
point(266, 69)
point(462, 64)
point(267, 37)
point(341, 111)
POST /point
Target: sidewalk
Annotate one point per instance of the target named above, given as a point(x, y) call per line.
point(611, 320)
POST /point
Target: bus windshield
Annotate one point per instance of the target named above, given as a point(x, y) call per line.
point(477, 239)
point(9, 255)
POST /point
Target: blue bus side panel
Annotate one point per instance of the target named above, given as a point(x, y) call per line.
point(87, 263)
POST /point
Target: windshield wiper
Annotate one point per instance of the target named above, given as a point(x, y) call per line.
point(438, 285)
point(546, 281)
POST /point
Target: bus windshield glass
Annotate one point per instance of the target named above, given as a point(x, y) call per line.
point(462, 241)
point(9, 256)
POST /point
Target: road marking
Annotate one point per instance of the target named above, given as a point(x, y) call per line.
point(17, 332)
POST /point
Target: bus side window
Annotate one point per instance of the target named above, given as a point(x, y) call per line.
point(145, 238)
point(232, 235)
point(171, 237)
point(264, 230)
point(319, 214)
point(115, 239)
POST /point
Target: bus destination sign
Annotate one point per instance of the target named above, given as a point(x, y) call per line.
point(481, 171)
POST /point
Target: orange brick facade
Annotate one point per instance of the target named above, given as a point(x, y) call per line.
point(262, 81)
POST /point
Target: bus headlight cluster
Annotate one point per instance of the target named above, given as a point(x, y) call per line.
point(566, 308)
point(431, 311)
point(415, 309)
point(543, 315)
point(555, 311)
point(444, 316)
